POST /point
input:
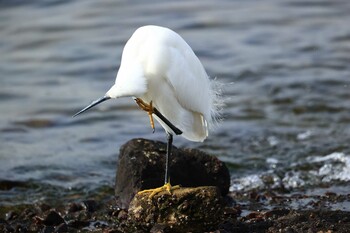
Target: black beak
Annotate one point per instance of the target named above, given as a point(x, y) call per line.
point(94, 103)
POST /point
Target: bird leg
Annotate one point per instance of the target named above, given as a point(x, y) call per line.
point(167, 186)
point(169, 146)
point(148, 108)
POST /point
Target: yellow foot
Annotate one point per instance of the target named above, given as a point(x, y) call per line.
point(148, 108)
point(166, 187)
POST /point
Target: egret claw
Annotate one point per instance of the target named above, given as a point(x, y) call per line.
point(148, 108)
point(150, 112)
point(166, 187)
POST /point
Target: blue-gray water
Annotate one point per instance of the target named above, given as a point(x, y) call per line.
point(285, 66)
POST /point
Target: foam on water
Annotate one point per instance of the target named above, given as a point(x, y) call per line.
point(335, 167)
point(328, 169)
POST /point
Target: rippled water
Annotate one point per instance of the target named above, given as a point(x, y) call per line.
point(286, 66)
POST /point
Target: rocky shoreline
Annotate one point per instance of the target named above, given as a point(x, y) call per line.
point(105, 216)
point(207, 208)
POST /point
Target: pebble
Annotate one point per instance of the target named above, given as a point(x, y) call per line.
point(90, 205)
point(53, 219)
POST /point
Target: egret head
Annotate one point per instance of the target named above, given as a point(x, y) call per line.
point(94, 103)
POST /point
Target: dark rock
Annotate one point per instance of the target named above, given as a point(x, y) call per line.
point(19, 227)
point(90, 205)
point(141, 165)
point(277, 212)
point(231, 226)
point(3, 221)
point(232, 212)
point(10, 184)
point(61, 228)
point(122, 215)
point(27, 213)
point(77, 224)
point(159, 228)
point(9, 228)
point(53, 219)
point(48, 229)
point(185, 210)
point(43, 207)
point(113, 231)
point(11, 215)
point(74, 207)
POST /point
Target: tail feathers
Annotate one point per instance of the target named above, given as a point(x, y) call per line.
point(196, 129)
point(217, 103)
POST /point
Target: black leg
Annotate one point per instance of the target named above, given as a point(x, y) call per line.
point(167, 122)
point(167, 159)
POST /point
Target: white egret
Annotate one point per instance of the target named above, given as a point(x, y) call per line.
point(167, 80)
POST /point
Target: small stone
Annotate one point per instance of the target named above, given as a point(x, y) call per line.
point(19, 227)
point(43, 207)
point(77, 224)
point(61, 228)
point(53, 219)
point(185, 210)
point(11, 215)
point(158, 228)
point(288, 230)
point(10, 184)
point(254, 215)
point(122, 215)
point(141, 165)
point(48, 229)
point(276, 213)
point(27, 214)
point(9, 228)
point(74, 207)
point(2, 221)
point(90, 205)
point(231, 212)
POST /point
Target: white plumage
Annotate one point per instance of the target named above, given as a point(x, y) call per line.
point(158, 65)
point(166, 79)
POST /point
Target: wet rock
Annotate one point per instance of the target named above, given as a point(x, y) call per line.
point(53, 219)
point(276, 213)
point(3, 221)
point(185, 210)
point(122, 215)
point(61, 228)
point(160, 228)
point(28, 214)
point(90, 205)
point(141, 166)
point(48, 229)
point(10, 184)
point(74, 207)
point(231, 212)
point(244, 215)
point(9, 228)
point(77, 224)
point(311, 221)
point(11, 215)
point(43, 207)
